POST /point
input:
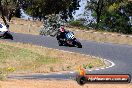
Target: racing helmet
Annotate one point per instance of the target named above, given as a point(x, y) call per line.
point(62, 29)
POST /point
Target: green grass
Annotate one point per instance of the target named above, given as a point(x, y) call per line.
point(27, 58)
point(19, 59)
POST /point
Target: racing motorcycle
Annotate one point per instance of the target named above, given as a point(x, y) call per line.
point(4, 32)
point(69, 40)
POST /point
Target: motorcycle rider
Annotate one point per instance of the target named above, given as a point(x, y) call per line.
point(61, 36)
point(65, 37)
point(62, 33)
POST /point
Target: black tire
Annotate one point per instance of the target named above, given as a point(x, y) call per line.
point(81, 80)
point(7, 35)
point(60, 43)
point(78, 44)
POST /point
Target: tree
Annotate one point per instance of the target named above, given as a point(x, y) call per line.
point(38, 8)
point(117, 18)
point(7, 9)
point(18, 13)
point(112, 15)
point(97, 7)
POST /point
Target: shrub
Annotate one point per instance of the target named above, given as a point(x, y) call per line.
point(76, 23)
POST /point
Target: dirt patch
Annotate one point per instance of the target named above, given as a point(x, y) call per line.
point(55, 84)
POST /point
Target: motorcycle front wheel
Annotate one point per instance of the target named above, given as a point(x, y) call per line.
point(8, 35)
point(60, 43)
point(78, 44)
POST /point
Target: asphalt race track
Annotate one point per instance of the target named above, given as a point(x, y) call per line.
point(121, 55)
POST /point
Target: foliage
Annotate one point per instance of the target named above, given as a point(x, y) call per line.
point(51, 25)
point(76, 23)
point(8, 8)
point(81, 22)
point(97, 7)
point(88, 66)
point(117, 20)
point(112, 15)
point(17, 13)
point(40, 8)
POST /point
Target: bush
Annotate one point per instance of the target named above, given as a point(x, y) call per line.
point(76, 23)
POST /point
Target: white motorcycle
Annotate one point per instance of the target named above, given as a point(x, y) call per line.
point(4, 32)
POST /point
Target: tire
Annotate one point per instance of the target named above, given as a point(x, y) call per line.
point(7, 35)
point(81, 80)
point(60, 43)
point(78, 44)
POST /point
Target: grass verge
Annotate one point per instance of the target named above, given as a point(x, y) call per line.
point(27, 58)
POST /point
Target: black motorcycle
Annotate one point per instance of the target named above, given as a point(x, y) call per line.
point(68, 40)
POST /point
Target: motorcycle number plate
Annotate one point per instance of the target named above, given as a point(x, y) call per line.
point(70, 35)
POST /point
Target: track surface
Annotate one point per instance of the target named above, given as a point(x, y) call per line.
point(121, 55)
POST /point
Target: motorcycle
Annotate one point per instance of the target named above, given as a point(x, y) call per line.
point(4, 32)
point(69, 40)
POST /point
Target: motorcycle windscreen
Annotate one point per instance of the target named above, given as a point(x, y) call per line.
point(70, 35)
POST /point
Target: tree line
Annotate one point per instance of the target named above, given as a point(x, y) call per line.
point(110, 15)
point(38, 9)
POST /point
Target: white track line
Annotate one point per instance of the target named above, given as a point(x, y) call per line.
point(90, 70)
point(97, 69)
point(102, 68)
point(112, 64)
point(59, 73)
point(72, 72)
